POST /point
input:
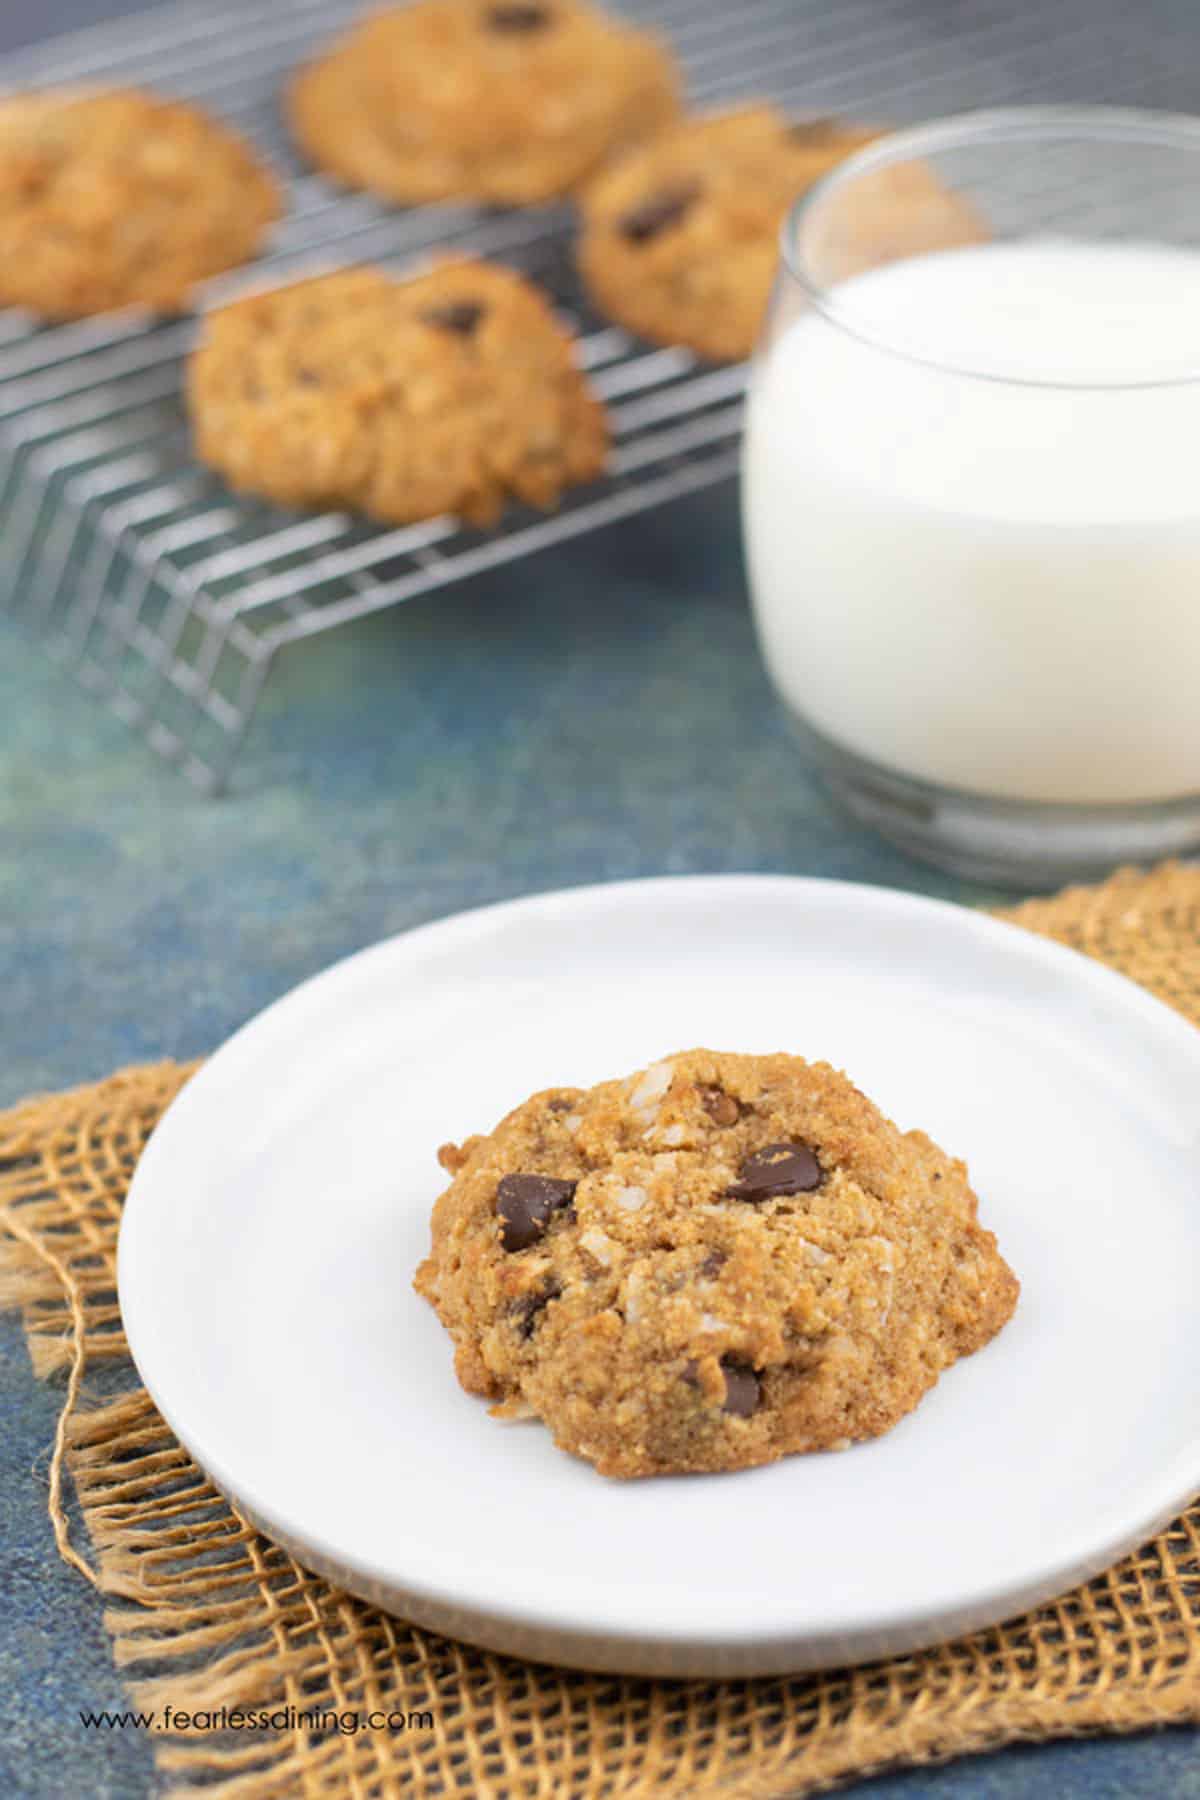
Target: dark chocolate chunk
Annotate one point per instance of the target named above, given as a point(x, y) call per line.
point(814, 131)
point(659, 212)
point(559, 1103)
point(526, 1204)
point(518, 16)
point(743, 1390)
point(461, 316)
point(712, 1265)
point(527, 1311)
point(775, 1170)
point(721, 1107)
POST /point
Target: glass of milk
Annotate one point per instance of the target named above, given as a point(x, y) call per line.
point(971, 488)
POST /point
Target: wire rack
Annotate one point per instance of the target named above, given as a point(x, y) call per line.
point(169, 597)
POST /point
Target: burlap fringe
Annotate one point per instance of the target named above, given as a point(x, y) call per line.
point(204, 1613)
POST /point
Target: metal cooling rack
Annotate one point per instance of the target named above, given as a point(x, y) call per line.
point(169, 597)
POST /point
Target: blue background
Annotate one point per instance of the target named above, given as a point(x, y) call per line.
point(596, 713)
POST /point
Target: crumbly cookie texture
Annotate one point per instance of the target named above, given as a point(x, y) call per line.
point(504, 100)
point(715, 1263)
point(680, 239)
point(401, 399)
point(111, 199)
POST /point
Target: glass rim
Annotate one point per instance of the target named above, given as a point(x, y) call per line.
point(994, 125)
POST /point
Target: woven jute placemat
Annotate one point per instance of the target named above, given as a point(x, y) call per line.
point(206, 1614)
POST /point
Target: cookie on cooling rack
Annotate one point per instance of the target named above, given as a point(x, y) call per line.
point(400, 399)
point(510, 101)
point(681, 238)
point(109, 199)
point(715, 1263)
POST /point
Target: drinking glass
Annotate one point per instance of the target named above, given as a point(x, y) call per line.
point(971, 488)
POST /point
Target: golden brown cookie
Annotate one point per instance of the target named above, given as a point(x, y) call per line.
point(401, 399)
point(115, 198)
point(715, 1263)
point(681, 238)
point(504, 100)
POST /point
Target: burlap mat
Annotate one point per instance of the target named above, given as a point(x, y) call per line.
point(206, 1613)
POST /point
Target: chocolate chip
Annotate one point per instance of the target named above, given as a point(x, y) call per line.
point(777, 1169)
point(461, 316)
point(721, 1107)
point(526, 1203)
point(528, 1309)
point(559, 1103)
point(814, 131)
point(743, 1389)
point(661, 210)
point(517, 17)
point(712, 1265)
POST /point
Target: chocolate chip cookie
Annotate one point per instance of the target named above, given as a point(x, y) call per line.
point(715, 1263)
point(400, 399)
point(115, 198)
point(681, 238)
point(503, 100)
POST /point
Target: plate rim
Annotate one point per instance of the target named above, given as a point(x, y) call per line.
point(680, 1647)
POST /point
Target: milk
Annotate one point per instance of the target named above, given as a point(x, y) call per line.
point(989, 581)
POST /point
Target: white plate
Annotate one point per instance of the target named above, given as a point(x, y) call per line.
point(276, 1218)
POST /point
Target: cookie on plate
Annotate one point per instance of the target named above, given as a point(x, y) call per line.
point(447, 392)
point(715, 1263)
point(110, 199)
point(510, 101)
point(680, 239)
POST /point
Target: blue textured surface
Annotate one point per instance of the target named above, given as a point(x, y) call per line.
point(597, 713)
